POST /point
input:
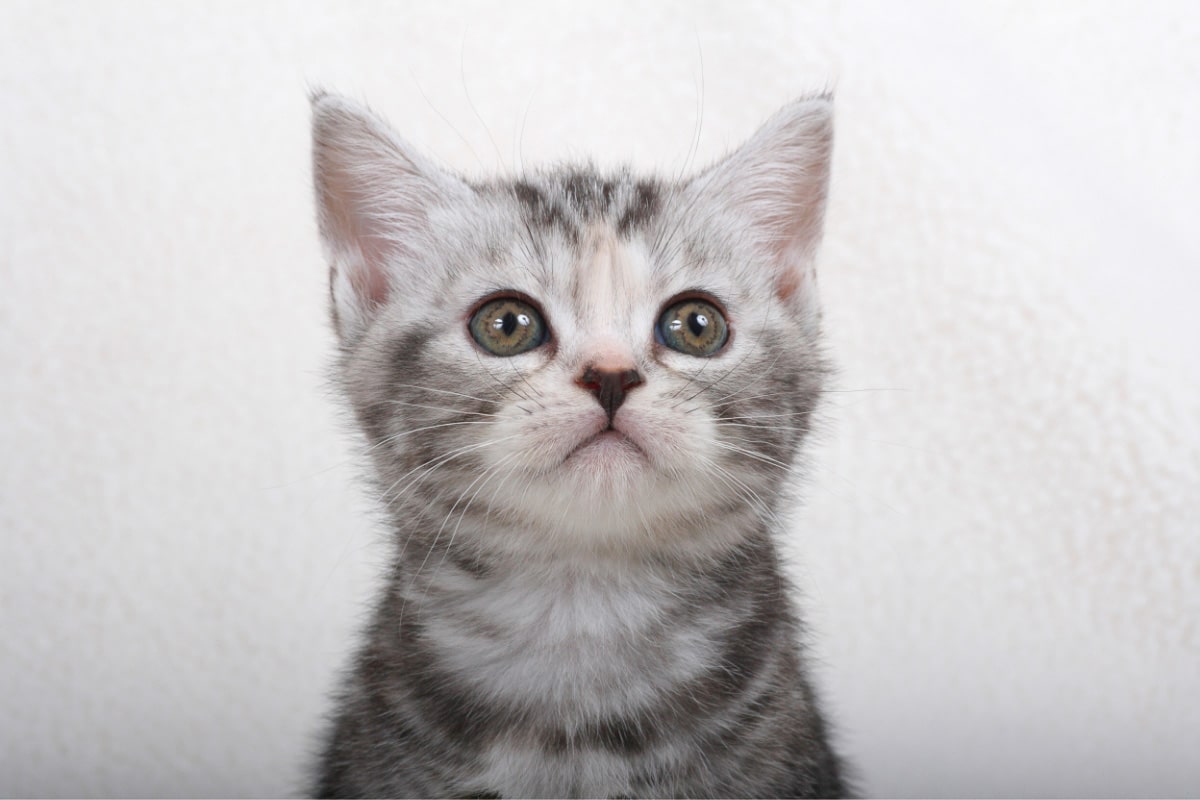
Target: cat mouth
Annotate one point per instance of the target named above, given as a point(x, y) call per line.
point(609, 443)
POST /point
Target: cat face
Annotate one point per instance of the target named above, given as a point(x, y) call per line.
point(585, 362)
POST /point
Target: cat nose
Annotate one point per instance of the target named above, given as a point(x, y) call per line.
point(610, 386)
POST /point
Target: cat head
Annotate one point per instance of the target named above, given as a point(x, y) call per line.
point(570, 360)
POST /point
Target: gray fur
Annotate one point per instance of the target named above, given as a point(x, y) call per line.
point(611, 623)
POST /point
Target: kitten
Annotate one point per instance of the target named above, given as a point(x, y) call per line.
point(583, 394)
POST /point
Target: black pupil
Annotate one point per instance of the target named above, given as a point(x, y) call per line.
point(696, 323)
point(509, 323)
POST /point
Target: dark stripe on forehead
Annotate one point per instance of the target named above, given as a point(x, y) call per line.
point(569, 201)
point(583, 194)
point(543, 212)
point(642, 207)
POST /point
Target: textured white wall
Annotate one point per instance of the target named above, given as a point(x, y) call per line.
point(1000, 549)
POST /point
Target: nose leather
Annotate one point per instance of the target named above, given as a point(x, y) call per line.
point(609, 386)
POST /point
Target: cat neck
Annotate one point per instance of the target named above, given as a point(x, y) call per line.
point(492, 544)
point(577, 588)
point(584, 637)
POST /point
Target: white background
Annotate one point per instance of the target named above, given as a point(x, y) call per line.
point(1000, 545)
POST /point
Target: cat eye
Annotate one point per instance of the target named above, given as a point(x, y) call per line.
point(693, 326)
point(508, 326)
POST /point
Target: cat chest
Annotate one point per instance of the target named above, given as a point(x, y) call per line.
point(574, 651)
point(578, 666)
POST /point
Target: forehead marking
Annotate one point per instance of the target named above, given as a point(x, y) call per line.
point(613, 276)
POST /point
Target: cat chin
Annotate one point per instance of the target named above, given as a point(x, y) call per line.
point(581, 518)
point(607, 490)
point(607, 450)
point(604, 474)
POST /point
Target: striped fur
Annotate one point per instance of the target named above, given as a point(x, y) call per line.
point(565, 618)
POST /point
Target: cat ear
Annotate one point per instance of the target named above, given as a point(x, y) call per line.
point(777, 182)
point(374, 198)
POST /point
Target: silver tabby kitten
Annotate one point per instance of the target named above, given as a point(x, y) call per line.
point(583, 394)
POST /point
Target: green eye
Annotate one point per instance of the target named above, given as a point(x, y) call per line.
point(694, 327)
point(507, 326)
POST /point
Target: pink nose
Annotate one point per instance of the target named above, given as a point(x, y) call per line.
point(609, 386)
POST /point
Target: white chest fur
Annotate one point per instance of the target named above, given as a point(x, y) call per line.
point(571, 644)
point(566, 648)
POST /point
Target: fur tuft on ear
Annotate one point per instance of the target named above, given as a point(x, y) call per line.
point(374, 196)
point(778, 181)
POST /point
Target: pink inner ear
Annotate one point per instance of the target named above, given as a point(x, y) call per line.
point(793, 219)
point(372, 288)
point(790, 258)
point(788, 283)
point(350, 224)
point(370, 281)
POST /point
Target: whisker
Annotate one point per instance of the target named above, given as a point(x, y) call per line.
point(504, 386)
point(744, 491)
point(770, 426)
point(437, 536)
point(445, 391)
point(487, 517)
point(799, 413)
point(752, 454)
point(527, 383)
point(434, 463)
point(763, 373)
point(442, 408)
point(490, 473)
point(395, 437)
